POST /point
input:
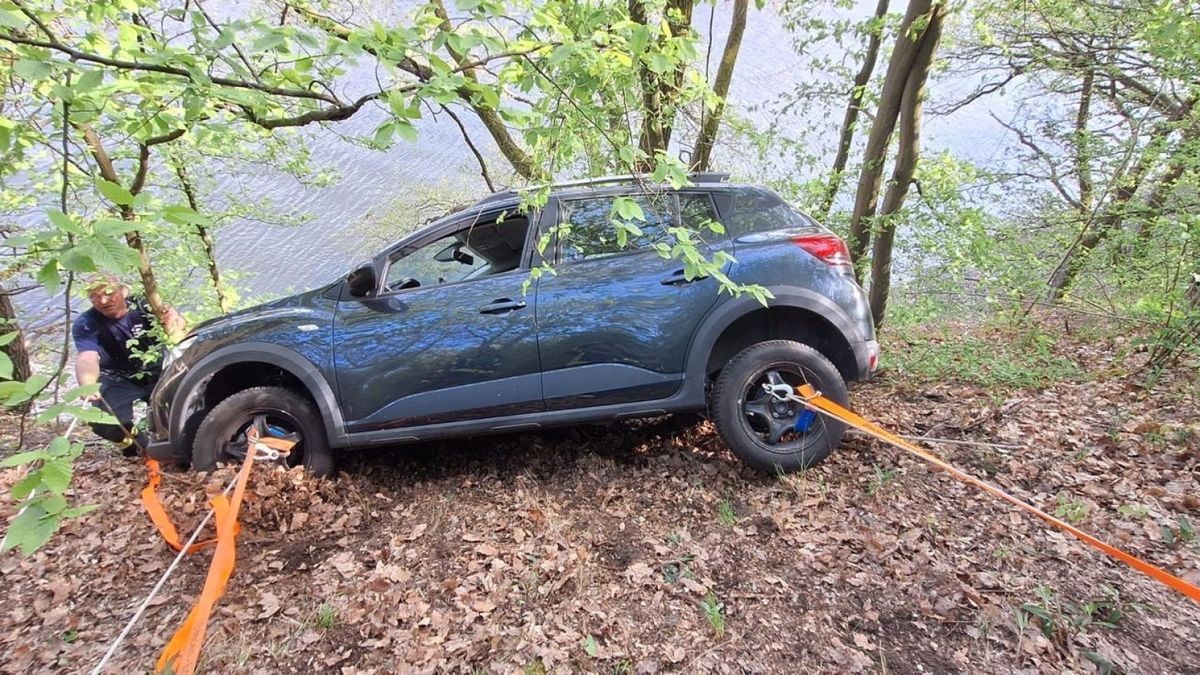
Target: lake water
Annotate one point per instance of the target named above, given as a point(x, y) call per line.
point(269, 261)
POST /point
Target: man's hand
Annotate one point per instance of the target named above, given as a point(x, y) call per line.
point(173, 324)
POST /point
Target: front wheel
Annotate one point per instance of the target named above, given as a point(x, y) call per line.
point(272, 411)
point(773, 435)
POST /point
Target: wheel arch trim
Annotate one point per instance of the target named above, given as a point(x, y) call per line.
point(727, 313)
point(317, 386)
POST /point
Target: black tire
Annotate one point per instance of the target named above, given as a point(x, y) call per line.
point(222, 435)
point(764, 433)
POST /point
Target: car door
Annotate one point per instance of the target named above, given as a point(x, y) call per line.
point(615, 319)
point(461, 345)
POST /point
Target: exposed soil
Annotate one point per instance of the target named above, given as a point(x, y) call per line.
point(593, 549)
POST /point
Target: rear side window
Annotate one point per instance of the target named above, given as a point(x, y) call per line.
point(760, 211)
point(696, 213)
point(587, 230)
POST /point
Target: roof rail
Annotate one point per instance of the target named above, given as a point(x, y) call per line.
point(511, 193)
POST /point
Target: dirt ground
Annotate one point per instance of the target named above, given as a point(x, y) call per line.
point(646, 547)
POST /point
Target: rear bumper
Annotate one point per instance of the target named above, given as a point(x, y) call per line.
point(866, 353)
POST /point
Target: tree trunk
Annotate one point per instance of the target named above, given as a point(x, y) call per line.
point(133, 239)
point(16, 351)
point(1097, 229)
point(1083, 156)
point(658, 110)
point(702, 152)
point(870, 177)
point(853, 107)
point(206, 240)
point(906, 163)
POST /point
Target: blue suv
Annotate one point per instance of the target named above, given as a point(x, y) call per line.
point(446, 334)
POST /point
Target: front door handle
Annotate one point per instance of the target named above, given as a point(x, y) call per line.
point(678, 278)
point(501, 305)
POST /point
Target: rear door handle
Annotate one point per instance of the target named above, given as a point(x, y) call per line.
point(501, 305)
point(678, 278)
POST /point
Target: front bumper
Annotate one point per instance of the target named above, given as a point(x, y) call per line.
point(163, 451)
point(163, 443)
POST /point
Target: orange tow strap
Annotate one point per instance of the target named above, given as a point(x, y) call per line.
point(182, 653)
point(813, 400)
point(158, 515)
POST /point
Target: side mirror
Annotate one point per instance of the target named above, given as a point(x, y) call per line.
point(361, 280)
point(456, 253)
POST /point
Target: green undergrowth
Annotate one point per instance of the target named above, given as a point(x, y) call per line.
point(984, 354)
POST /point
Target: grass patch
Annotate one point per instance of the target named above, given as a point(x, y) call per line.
point(994, 357)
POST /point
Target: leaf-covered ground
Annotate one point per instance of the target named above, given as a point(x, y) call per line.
point(646, 547)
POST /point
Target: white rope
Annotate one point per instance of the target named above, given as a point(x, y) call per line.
point(157, 587)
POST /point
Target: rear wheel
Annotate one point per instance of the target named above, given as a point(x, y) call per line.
point(272, 411)
point(769, 434)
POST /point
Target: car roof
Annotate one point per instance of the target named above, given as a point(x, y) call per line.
point(512, 196)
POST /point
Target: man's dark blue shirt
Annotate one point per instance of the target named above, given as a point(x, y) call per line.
point(111, 338)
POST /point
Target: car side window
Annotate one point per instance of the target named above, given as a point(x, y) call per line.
point(483, 248)
point(760, 211)
point(587, 229)
point(696, 213)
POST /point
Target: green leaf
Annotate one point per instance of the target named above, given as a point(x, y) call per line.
point(31, 69)
point(11, 19)
point(406, 131)
point(24, 487)
point(628, 209)
point(269, 42)
point(383, 135)
point(80, 392)
point(91, 415)
point(63, 222)
point(79, 511)
point(54, 504)
point(56, 474)
point(6, 367)
point(110, 254)
point(48, 277)
point(35, 384)
point(660, 63)
point(590, 647)
point(77, 260)
point(185, 215)
point(114, 193)
point(89, 80)
point(111, 227)
point(29, 530)
point(23, 458)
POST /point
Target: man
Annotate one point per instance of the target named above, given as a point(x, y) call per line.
point(118, 349)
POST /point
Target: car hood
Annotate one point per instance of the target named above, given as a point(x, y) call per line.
point(299, 305)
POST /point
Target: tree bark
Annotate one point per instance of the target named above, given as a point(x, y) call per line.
point(906, 163)
point(1097, 228)
point(702, 152)
point(206, 239)
point(867, 195)
point(1083, 157)
point(134, 238)
point(853, 107)
point(16, 351)
point(658, 112)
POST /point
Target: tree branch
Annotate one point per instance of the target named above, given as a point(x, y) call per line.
point(483, 170)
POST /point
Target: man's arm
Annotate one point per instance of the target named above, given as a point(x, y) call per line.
point(87, 370)
point(173, 324)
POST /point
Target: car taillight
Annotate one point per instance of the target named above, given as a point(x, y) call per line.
point(827, 248)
